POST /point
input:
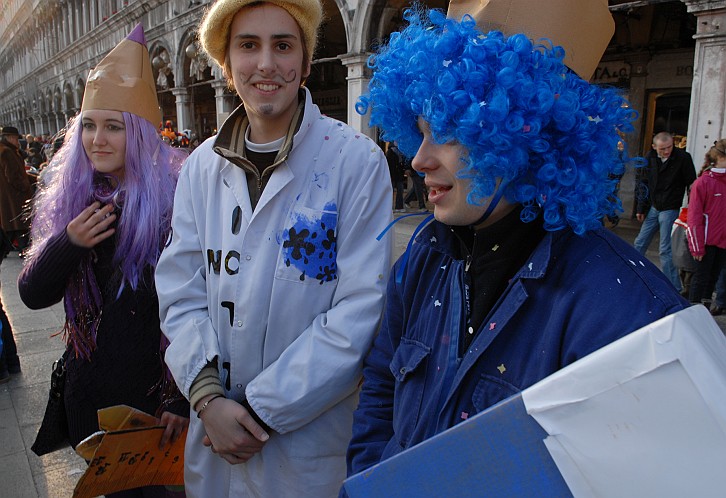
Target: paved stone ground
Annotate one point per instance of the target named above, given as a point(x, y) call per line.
point(22, 400)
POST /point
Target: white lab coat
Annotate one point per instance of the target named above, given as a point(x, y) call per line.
point(289, 318)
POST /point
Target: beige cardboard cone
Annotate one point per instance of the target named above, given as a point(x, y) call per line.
point(124, 81)
point(582, 27)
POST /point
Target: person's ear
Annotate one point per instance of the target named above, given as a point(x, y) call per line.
point(306, 70)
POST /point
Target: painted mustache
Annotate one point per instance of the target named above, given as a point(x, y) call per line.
point(289, 78)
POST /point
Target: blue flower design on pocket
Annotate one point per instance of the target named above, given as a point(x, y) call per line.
point(310, 246)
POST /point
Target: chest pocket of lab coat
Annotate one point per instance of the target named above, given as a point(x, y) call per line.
point(408, 367)
point(308, 246)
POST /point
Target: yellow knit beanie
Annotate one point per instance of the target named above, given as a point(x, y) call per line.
point(214, 29)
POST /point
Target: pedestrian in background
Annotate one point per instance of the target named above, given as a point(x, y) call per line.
point(417, 192)
point(707, 225)
point(15, 188)
point(9, 360)
point(396, 163)
point(719, 301)
point(663, 183)
point(98, 228)
point(271, 289)
point(35, 153)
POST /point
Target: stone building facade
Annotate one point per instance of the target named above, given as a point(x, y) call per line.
point(668, 56)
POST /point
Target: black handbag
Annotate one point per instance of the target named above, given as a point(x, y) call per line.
point(6, 245)
point(53, 432)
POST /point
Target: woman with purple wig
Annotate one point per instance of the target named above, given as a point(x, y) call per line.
point(98, 227)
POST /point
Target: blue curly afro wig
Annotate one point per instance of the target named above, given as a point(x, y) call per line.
point(522, 115)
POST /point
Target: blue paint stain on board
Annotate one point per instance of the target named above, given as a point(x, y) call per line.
point(310, 246)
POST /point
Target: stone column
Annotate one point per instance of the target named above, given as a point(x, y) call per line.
point(45, 120)
point(68, 114)
point(184, 113)
point(637, 98)
point(61, 120)
point(224, 102)
point(707, 117)
point(358, 78)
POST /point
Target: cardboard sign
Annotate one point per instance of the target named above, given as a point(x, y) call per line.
point(498, 453)
point(643, 416)
point(127, 455)
point(582, 27)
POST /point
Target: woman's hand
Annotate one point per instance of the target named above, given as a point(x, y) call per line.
point(175, 425)
point(92, 226)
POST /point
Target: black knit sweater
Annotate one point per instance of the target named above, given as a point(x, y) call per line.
point(126, 364)
point(494, 255)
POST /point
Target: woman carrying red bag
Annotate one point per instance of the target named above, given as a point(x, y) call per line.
point(707, 224)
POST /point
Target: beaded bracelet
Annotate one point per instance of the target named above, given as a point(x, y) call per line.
point(206, 403)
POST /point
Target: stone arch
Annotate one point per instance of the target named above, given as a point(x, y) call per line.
point(328, 76)
point(198, 101)
point(67, 103)
point(48, 99)
point(57, 100)
point(43, 99)
point(337, 21)
point(56, 119)
point(165, 75)
point(379, 18)
point(347, 17)
point(80, 89)
point(162, 65)
point(20, 112)
point(192, 63)
point(23, 110)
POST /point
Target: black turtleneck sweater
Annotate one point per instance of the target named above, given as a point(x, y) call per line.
point(493, 255)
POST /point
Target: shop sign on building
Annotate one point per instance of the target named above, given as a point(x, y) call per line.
point(332, 102)
point(673, 70)
point(611, 72)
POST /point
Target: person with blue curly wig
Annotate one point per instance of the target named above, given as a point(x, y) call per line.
point(515, 277)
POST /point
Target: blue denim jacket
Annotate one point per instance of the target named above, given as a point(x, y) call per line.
point(574, 295)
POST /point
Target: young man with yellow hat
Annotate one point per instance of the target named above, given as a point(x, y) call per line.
point(271, 287)
point(516, 277)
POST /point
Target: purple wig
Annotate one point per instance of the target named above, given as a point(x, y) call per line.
point(145, 198)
